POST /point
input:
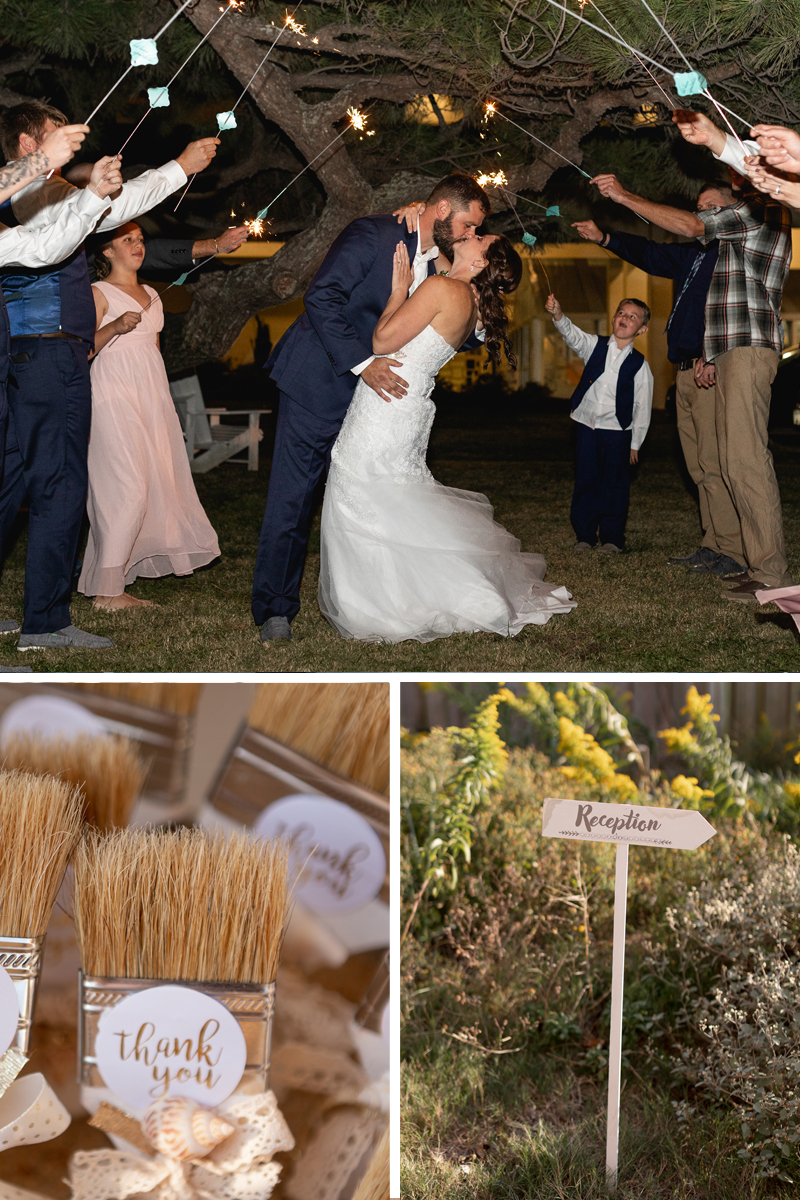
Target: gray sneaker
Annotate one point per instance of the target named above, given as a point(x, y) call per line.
point(610, 548)
point(62, 639)
point(581, 546)
point(276, 629)
point(721, 564)
point(703, 554)
point(9, 627)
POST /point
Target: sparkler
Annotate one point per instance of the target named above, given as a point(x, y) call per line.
point(357, 121)
point(163, 29)
point(493, 111)
point(157, 94)
point(706, 91)
point(289, 23)
point(641, 54)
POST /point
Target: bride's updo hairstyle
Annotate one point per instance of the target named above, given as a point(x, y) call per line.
point(499, 278)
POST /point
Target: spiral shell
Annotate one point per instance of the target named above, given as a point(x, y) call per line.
point(179, 1128)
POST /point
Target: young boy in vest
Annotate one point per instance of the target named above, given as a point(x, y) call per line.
point(611, 406)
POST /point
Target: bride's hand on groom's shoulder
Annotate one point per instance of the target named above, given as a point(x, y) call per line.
point(402, 273)
point(410, 213)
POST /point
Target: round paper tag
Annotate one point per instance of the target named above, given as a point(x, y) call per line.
point(337, 855)
point(170, 1041)
point(49, 717)
point(9, 1010)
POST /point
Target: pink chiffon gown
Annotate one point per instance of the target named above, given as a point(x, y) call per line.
point(144, 515)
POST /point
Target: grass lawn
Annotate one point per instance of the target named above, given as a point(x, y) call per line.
point(635, 613)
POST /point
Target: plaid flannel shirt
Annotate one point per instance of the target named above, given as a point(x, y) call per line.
point(744, 300)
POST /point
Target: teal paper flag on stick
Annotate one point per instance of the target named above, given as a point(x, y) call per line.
point(181, 279)
point(690, 83)
point(552, 211)
point(144, 52)
point(226, 120)
point(158, 97)
point(263, 213)
point(529, 239)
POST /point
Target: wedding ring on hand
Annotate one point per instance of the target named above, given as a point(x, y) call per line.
point(777, 189)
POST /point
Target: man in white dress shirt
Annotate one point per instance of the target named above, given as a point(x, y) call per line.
point(52, 318)
point(611, 406)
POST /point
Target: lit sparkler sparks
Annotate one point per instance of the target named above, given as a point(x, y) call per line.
point(497, 179)
point(358, 120)
point(256, 227)
point(295, 26)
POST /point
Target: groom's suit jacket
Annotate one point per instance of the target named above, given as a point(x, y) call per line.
point(312, 362)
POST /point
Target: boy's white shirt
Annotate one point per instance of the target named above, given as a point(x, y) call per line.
point(598, 408)
point(55, 217)
point(44, 246)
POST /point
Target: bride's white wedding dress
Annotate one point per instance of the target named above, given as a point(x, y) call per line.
point(404, 556)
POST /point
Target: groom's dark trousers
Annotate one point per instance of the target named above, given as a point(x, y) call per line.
point(312, 367)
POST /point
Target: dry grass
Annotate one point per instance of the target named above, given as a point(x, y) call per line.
point(344, 726)
point(635, 613)
point(40, 825)
point(182, 904)
point(108, 770)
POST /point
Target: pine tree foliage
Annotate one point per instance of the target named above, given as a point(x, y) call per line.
point(589, 98)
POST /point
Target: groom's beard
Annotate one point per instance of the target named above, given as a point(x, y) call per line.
point(443, 236)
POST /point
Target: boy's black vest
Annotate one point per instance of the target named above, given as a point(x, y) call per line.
point(627, 373)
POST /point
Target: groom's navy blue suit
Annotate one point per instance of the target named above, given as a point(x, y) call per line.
point(312, 366)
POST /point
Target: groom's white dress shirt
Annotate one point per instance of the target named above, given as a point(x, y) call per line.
point(420, 269)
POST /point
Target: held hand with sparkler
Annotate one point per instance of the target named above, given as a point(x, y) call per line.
point(552, 306)
point(780, 147)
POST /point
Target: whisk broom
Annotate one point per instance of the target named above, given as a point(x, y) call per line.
point(185, 906)
point(40, 826)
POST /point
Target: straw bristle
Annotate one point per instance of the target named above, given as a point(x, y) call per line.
point(108, 769)
point(40, 825)
point(344, 726)
point(180, 904)
point(178, 698)
point(375, 1184)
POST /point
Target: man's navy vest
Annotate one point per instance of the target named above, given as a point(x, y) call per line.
point(627, 373)
point(47, 299)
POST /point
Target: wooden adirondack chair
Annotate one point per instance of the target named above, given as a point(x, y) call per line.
point(210, 441)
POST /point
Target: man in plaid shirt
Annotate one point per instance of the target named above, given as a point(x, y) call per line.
point(743, 339)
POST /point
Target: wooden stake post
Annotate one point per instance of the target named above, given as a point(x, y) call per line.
point(624, 825)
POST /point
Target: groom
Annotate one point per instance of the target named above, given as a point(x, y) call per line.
point(317, 364)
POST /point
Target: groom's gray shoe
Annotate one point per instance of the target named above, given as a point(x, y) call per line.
point(62, 639)
point(276, 629)
point(9, 627)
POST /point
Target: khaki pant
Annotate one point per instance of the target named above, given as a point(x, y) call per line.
point(697, 429)
point(744, 376)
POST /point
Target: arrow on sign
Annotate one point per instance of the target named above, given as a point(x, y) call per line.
point(625, 825)
point(635, 824)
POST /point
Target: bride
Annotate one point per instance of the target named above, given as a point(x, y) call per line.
point(404, 556)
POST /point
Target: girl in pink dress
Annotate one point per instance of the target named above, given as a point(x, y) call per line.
point(144, 514)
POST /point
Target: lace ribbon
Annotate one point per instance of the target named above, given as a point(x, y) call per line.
point(240, 1168)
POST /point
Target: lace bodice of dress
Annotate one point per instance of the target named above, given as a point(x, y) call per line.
point(380, 438)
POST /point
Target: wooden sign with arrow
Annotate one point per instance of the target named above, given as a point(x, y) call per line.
point(625, 825)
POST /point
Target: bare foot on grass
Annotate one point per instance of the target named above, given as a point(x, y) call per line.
point(111, 603)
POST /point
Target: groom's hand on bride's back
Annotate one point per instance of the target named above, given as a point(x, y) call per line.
point(382, 379)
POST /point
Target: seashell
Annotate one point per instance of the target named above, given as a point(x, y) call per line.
point(179, 1128)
